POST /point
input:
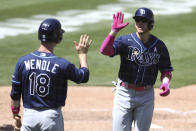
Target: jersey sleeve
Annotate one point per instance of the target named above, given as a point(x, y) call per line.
point(16, 91)
point(165, 63)
point(80, 75)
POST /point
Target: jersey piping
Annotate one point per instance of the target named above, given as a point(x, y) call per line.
point(43, 56)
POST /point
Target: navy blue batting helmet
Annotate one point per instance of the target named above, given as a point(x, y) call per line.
point(146, 13)
point(50, 31)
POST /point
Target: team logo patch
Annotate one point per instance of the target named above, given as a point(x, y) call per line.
point(143, 58)
point(45, 26)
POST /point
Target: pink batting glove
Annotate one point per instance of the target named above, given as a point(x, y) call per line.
point(117, 24)
point(165, 88)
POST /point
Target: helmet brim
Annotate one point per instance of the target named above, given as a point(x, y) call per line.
point(62, 31)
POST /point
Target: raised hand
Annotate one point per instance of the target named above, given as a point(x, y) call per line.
point(117, 24)
point(83, 45)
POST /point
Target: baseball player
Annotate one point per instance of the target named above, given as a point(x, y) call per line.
point(142, 55)
point(41, 77)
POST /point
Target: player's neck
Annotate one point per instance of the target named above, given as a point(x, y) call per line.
point(144, 37)
point(48, 48)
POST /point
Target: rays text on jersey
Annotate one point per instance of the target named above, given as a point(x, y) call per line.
point(143, 58)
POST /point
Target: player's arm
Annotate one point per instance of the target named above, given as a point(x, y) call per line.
point(15, 108)
point(82, 49)
point(80, 75)
point(166, 68)
point(16, 91)
point(15, 99)
point(15, 105)
point(107, 45)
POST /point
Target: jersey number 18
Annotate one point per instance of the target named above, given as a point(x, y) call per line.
point(39, 84)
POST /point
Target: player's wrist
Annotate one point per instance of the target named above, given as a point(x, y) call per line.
point(81, 55)
point(166, 80)
point(83, 60)
point(15, 110)
point(82, 51)
point(113, 32)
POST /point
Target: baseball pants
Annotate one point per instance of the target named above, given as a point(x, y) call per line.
point(42, 120)
point(132, 106)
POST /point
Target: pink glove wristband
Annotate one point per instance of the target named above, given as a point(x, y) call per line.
point(167, 74)
point(107, 46)
point(165, 87)
point(15, 110)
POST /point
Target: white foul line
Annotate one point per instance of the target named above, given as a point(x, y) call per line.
point(176, 111)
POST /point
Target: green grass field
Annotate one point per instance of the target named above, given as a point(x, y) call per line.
point(177, 31)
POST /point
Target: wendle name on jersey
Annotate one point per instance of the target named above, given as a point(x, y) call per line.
point(40, 65)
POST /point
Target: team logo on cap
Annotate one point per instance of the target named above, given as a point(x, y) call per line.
point(45, 26)
point(142, 11)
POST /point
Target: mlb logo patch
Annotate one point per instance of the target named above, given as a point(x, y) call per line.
point(42, 54)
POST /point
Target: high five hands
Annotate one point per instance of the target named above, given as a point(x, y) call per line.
point(83, 45)
point(117, 24)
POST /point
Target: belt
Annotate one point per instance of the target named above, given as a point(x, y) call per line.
point(47, 108)
point(137, 88)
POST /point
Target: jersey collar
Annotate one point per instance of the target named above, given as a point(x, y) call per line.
point(151, 42)
point(43, 54)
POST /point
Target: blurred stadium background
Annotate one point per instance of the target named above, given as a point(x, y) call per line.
point(174, 24)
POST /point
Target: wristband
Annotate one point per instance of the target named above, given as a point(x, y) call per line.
point(107, 46)
point(167, 74)
point(165, 80)
point(15, 110)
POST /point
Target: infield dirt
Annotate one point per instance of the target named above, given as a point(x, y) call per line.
point(90, 109)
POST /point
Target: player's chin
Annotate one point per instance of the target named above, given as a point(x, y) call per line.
point(140, 31)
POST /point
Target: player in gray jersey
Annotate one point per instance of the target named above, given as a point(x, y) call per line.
point(142, 55)
point(40, 78)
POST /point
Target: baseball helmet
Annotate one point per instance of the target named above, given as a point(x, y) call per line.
point(146, 13)
point(50, 31)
